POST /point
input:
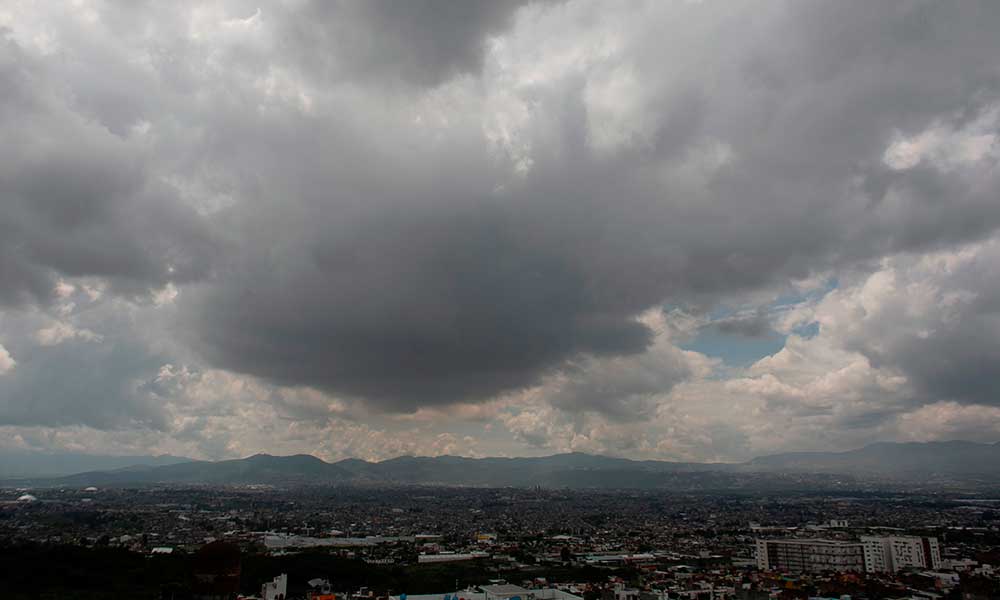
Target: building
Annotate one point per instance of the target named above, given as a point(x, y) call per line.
point(506, 591)
point(888, 554)
point(451, 557)
point(620, 592)
point(501, 591)
point(276, 589)
point(810, 555)
point(459, 595)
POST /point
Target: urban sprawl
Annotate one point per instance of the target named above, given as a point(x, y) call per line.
point(429, 543)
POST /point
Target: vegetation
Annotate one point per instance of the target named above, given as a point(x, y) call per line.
point(38, 571)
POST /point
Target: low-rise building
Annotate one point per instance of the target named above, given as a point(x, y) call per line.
point(277, 589)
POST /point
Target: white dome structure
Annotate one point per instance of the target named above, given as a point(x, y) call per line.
point(27, 498)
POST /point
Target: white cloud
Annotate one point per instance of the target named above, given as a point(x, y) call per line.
point(64, 289)
point(947, 146)
point(951, 420)
point(60, 331)
point(7, 361)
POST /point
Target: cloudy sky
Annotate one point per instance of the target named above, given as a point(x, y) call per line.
point(681, 230)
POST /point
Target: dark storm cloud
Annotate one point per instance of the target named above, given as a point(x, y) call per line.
point(77, 199)
point(622, 390)
point(413, 309)
point(960, 364)
point(423, 42)
point(381, 243)
point(400, 277)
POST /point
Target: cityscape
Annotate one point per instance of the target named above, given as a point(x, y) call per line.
point(433, 542)
point(500, 300)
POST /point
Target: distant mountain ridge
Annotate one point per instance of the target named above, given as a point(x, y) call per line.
point(889, 461)
point(561, 470)
point(892, 459)
point(25, 463)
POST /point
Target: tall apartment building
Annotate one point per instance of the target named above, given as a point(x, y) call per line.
point(810, 555)
point(888, 554)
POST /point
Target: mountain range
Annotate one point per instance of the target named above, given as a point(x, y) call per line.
point(900, 460)
point(24, 463)
point(892, 462)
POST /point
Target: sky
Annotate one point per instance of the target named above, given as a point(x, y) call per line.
point(699, 231)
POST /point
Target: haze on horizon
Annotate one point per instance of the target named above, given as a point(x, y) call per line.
point(701, 231)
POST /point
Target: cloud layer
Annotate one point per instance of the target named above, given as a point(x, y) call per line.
point(503, 221)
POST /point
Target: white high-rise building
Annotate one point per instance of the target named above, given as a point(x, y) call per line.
point(888, 554)
point(809, 555)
